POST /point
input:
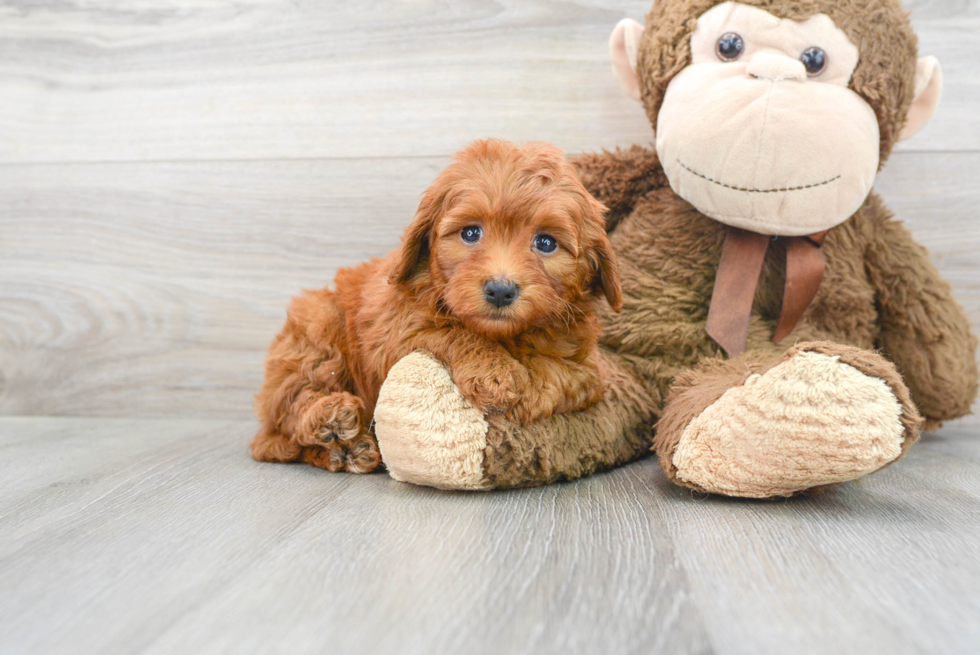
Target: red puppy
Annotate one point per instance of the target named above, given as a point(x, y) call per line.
point(497, 276)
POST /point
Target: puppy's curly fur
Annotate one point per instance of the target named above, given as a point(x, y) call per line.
point(529, 356)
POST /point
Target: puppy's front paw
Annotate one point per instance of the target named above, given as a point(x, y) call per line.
point(524, 415)
point(530, 407)
point(495, 387)
point(543, 398)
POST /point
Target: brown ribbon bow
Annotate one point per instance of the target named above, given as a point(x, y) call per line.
point(738, 275)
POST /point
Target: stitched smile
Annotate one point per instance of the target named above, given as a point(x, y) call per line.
point(736, 188)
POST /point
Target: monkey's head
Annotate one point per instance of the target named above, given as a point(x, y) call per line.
point(775, 115)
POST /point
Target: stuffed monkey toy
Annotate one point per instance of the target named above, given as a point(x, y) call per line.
point(780, 331)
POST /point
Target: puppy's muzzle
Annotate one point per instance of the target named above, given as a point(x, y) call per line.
point(500, 293)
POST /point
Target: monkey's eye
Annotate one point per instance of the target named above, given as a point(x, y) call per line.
point(730, 46)
point(471, 233)
point(814, 61)
point(545, 244)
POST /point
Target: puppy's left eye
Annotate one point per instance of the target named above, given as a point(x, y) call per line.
point(545, 244)
point(471, 233)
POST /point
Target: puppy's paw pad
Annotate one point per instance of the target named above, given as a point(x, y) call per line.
point(363, 455)
point(334, 416)
point(330, 456)
point(359, 455)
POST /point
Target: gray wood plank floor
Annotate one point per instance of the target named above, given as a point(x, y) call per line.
point(172, 172)
point(163, 536)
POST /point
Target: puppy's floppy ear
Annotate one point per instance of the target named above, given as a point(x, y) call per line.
point(606, 271)
point(602, 259)
point(415, 242)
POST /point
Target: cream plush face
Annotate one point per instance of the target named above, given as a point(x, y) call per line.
point(757, 142)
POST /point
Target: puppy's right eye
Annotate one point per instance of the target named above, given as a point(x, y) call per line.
point(545, 244)
point(471, 233)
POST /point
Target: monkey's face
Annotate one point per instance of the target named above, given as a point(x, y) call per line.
point(761, 131)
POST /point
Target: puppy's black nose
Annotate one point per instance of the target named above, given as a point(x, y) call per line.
point(500, 293)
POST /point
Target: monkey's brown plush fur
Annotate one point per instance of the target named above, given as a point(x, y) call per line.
point(879, 292)
point(529, 358)
point(882, 309)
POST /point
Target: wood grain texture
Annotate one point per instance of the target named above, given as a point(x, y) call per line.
point(227, 79)
point(171, 173)
point(882, 565)
point(181, 543)
point(162, 536)
point(174, 277)
point(154, 289)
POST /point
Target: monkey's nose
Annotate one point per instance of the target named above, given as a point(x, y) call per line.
point(500, 293)
point(772, 67)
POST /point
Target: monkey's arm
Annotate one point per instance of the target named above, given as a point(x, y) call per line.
point(923, 330)
point(617, 429)
point(617, 179)
point(430, 436)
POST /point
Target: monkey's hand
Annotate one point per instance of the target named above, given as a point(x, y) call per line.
point(923, 330)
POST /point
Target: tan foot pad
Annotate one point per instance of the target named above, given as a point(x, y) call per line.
point(429, 434)
point(810, 421)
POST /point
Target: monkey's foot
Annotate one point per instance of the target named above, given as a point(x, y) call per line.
point(821, 416)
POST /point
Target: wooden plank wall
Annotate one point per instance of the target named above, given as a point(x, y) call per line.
point(171, 173)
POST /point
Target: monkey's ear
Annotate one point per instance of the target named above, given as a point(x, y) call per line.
point(415, 242)
point(624, 43)
point(928, 89)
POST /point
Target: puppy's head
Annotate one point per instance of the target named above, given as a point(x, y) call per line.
point(508, 238)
